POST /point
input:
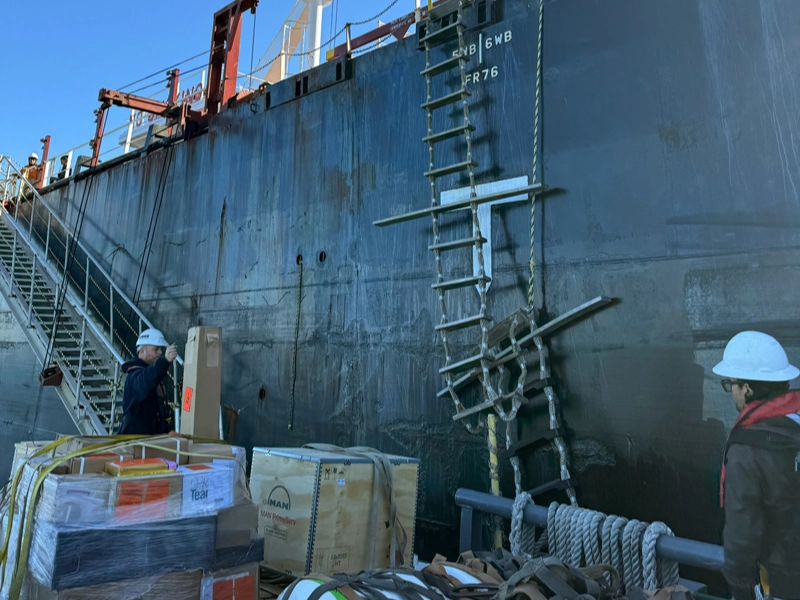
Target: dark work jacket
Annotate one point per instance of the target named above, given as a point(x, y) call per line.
point(762, 509)
point(143, 401)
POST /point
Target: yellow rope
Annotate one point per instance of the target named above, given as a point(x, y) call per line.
point(494, 474)
point(494, 471)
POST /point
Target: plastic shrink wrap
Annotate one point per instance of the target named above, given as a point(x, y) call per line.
point(160, 517)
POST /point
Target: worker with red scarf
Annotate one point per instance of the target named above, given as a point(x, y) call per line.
point(760, 486)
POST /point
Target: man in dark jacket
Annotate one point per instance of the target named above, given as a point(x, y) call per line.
point(144, 402)
point(760, 487)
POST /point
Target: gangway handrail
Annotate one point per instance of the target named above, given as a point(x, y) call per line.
point(684, 551)
point(54, 275)
point(69, 233)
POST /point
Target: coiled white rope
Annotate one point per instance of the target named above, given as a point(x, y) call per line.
point(667, 569)
point(632, 552)
point(612, 542)
point(581, 537)
point(515, 538)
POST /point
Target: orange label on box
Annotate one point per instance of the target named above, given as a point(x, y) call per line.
point(196, 467)
point(187, 399)
point(142, 499)
point(239, 588)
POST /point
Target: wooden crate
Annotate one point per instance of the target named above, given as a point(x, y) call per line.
point(315, 509)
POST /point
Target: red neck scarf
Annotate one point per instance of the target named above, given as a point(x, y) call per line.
point(758, 411)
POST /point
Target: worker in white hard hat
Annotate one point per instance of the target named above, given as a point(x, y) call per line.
point(32, 171)
point(760, 484)
point(144, 402)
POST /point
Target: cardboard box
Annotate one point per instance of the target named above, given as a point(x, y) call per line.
point(227, 558)
point(24, 450)
point(100, 498)
point(96, 463)
point(240, 583)
point(174, 586)
point(31, 470)
point(315, 509)
point(236, 524)
point(202, 382)
point(206, 488)
point(173, 449)
point(65, 556)
point(140, 466)
point(75, 498)
point(238, 541)
point(79, 443)
point(206, 452)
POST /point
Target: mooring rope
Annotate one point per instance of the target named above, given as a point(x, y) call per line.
point(580, 537)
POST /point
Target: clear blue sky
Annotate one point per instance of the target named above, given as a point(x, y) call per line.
point(56, 55)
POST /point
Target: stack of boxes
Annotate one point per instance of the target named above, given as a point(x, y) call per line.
point(170, 518)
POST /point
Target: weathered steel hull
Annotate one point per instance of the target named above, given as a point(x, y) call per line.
point(670, 146)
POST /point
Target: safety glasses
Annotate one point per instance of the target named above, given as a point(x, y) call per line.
point(727, 384)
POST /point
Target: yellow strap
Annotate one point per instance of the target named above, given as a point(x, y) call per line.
point(120, 441)
point(764, 576)
point(13, 498)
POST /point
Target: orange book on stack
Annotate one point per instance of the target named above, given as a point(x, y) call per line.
point(142, 466)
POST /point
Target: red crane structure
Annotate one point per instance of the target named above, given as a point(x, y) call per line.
point(223, 70)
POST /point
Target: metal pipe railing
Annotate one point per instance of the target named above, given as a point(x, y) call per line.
point(681, 550)
point(114, 289)
point(77, 305)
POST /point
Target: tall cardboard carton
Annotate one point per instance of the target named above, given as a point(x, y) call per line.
point(316, 509)
point(202, 382)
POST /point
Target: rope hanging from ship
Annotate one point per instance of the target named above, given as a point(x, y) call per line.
point(69, 259)
point(151, 229)
point(522, 538)
point(296, 339)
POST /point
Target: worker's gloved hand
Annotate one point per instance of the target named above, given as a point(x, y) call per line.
point(171, 353)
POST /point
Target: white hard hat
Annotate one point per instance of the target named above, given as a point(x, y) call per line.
point(151, 337)
point(33, 155)
point(755, 356)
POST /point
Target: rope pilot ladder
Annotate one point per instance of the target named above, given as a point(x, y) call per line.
point(503, 345)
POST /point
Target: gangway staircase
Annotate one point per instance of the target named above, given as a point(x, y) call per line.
point(76, 318)
point(516, 341)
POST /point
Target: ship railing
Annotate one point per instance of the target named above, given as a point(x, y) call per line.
point(132, 132)
point(91, 292)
